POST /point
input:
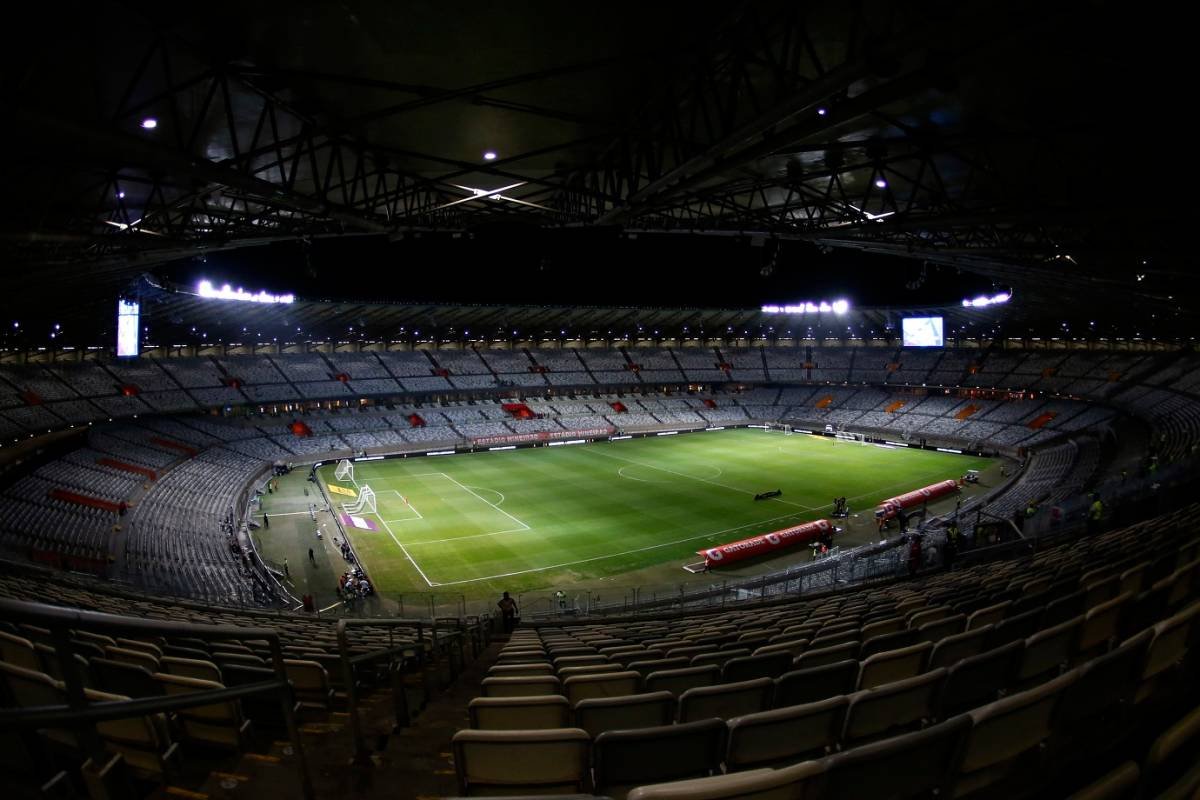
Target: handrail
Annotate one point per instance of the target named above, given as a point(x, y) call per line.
point(349, 662)
point(81, 714)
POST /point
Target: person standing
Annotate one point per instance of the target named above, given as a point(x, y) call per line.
point(266, 521)
point(508, 612)
point(312, 557)
point(1095, 515)
point(286, 573)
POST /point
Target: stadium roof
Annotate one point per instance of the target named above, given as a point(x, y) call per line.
point(1005, 139)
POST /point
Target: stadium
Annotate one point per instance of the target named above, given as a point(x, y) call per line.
point(739, 400)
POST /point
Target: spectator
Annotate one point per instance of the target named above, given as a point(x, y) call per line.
point(312, 557)
point(1095, 515)
point(266, 521)
point(508, 611)
point(286, 573)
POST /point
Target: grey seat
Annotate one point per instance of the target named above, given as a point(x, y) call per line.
point(770, 665)
point(978, 680)
point(648, 710)
point(810, 685)
point(909, 765)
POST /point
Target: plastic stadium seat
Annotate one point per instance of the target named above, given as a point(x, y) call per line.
point(590, 669)
point(310, 682)
point(939, 629)
point(744, 668)
point(760, 784)
point(785, 735)
point(953, 649)
point(1100, 625)
point(1171, 764)
point(1003, 731)
point(894, 707)
point(909, 765)
point(887, 641)
point(825, 640)
point(927, 615)
point(520, 670)
point(143, 742)
point(612, 684)
point(118, 677)
point(521, 687)
point(678, 681)
point(718, 658)
point(810, 685)
point(190, 668)
point(1093, 708)
point(265, 711)
point(138, 657)
point(725, 700)
point(893, 665)
point(219, 724)
point(648, 710)
point(1121, 782)
point(517, 762)
point(885, 626)
point(656, 664)
point(18, 651)
point(978, 680)
point(1047, 652)
point(627, 759)
point(1168, 647)
point(1014, 628)
point(988, 615)
point(519, 713)
point(819, 657)
point(579, 661)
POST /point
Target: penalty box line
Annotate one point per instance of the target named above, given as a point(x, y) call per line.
point(388, 528)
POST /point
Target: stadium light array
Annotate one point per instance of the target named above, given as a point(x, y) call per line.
point(823, 307)
point(226, 292)
point(984, 300)
point(149, 123)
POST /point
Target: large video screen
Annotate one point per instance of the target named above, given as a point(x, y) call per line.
point(127, 328)
point(922, 332)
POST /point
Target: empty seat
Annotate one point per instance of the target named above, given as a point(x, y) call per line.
point(1094, 707)
point(648, 710)
point(579, 661)
point(190, 668)
point(988, 615)
point(817, 657)
point(119, 677)
point(220, 724)
point(520, 670)
point(1121, 782)
point(785, 735)
point(939, 629)
point(678, 681)
point(626, 759)
point(1167, 649)
point(725, 700)
point(519, 713)
point(745, 668)
point(953, 649)
point(1047, 651)
point(612, 684)
point(1003, 731)
point(520, 687)
point(1170, 764)
point(310, 682)
point(590, 669)
point(893, 707)
point(1100, 625)
point(978, 680)
point(887, 641)
point(760, 784)
point(656, 664)
point(893, 665)
point(1016, 627)
point(18, 651)
point(909, 765)
point(809, 685)
point(521, 762)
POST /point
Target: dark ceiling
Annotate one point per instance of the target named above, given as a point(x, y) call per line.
point(1027, 145)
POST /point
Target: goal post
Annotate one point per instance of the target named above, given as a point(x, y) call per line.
point(344, 470)
point(364, 503)
point(847, 436)
point(780, 427)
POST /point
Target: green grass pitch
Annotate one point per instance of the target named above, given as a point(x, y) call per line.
point(549, 516)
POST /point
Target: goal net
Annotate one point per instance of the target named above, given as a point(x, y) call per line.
point(847, 436)
point(780, 427)
point(364, 503)
point(344, 470)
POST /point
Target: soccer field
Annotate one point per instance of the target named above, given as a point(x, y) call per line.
point(522, 519)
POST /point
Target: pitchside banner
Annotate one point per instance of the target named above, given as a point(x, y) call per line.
point(888, 508)
point(765, 543)
point(542, 436)
point(341, 490)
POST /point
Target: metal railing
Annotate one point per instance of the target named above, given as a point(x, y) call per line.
point(83, 716)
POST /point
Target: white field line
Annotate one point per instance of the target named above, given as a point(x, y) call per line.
point(407, 555)
point(702, 480)
point(622, 553)
point(493, 505)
